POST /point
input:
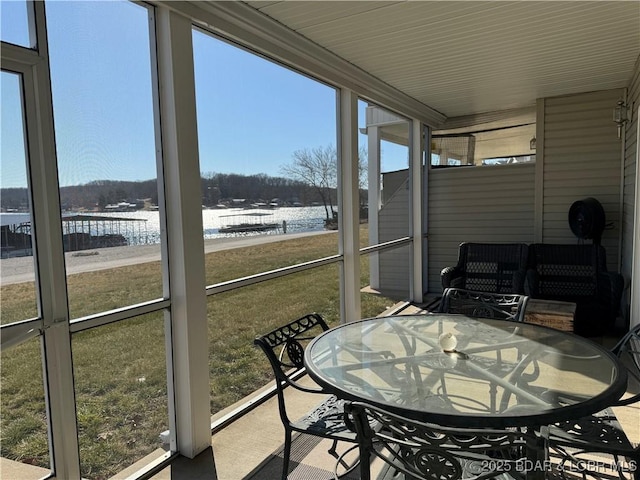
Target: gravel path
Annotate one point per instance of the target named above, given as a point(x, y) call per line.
point(21, 269)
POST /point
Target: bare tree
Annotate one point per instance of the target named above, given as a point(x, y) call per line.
point(363, 180)
point(317, 168)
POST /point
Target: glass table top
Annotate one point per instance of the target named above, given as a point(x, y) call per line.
point(461, 371)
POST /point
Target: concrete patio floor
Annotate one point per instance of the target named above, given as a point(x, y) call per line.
point(243, 446)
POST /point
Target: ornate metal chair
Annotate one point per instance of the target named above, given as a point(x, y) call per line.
point(600, 436)
point(421, 451)
point(504, 306)
point(284, 347)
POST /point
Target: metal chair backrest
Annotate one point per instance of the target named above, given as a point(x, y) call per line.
point(284, 347)
point(502, 306)
point(424, 451)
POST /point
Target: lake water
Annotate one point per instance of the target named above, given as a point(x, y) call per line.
point(297, 219)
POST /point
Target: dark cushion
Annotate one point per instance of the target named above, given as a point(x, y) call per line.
point(576, 273)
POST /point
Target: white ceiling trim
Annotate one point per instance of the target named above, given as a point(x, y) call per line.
point(248, 27)
point(469, 57)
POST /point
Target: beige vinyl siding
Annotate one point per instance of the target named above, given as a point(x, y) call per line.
point(477, 204)
point(394, 224)
point(628, 205)
point(581, 159)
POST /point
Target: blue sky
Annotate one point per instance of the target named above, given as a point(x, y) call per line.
point(252, 114)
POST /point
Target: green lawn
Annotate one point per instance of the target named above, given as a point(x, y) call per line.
point(120, 371)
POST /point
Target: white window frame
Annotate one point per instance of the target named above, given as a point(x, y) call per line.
point(48, 250)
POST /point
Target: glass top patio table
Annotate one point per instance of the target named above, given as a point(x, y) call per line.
point(466, 372)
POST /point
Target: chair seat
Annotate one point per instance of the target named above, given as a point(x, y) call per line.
point(326, 420)
point(575, 444)
point(470, 469)
point(595, 446)
point(284, 348)
point(601, 427)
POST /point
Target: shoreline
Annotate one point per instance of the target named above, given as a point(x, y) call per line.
point(21, 269)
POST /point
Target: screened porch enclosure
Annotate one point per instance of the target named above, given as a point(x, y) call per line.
point(523, 198)
point(378, 150)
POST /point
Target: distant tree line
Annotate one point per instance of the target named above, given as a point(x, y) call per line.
point(216, 188)
point(14, 198)
point(224, 187)
point(100, 193)
point(310, 178)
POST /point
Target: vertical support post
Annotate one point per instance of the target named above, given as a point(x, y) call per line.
point(189, 366)
point(374, 201)
point(623, 149)
point(538, 216)
point(349, 206)
point(416, 227)
point(426, 169)
point(635, 267)
point(50, 268)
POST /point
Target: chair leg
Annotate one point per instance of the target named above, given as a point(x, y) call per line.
point(332, 450)
point(287, 454)
point(365, 464)
point(341, 461)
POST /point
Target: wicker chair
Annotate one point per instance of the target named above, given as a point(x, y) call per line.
point(576, 274)
point(284, 347)
point(421, 451)
point(577, 443)
point(484, 304)
point(488, 267)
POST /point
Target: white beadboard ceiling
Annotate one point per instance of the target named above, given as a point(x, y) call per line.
point(468, 57)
